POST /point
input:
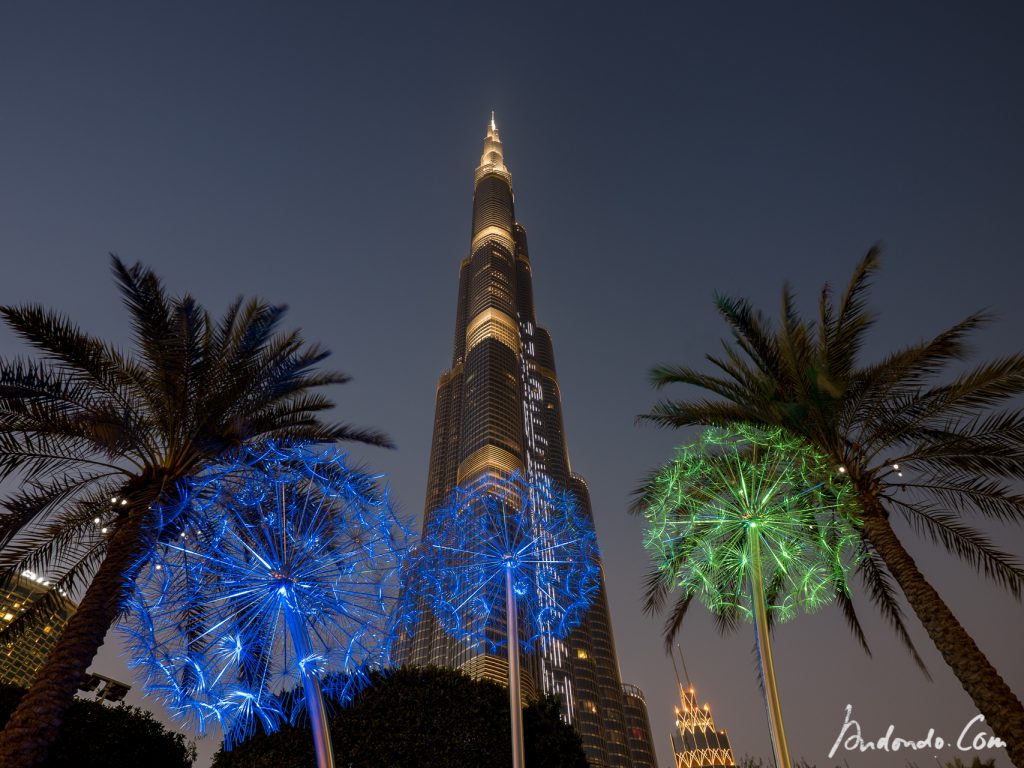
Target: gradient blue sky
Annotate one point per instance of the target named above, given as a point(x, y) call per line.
point(321, 155)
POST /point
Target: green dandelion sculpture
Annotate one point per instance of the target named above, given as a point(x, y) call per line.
point(756, 525)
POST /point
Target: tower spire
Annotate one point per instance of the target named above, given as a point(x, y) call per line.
point(685, 673)
point(492, 160)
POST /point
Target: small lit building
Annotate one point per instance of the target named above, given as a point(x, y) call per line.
point(695, 741)
point(20, 659)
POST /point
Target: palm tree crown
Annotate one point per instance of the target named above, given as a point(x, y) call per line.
point(96, 436)
point(911, 440)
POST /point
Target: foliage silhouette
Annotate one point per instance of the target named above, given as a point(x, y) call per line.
point(95, 735)
point(421, 718)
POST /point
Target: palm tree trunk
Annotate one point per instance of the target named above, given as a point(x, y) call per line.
point(990, 693)
point(33, 727)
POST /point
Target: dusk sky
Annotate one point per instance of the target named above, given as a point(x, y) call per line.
point(321, 155)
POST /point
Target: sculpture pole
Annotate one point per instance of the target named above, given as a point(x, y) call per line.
point(300, 642)
point(514, 696)
point(764, 652)
point(311, 688)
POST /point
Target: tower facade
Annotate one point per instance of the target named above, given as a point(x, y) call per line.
point(638, 728)
point(21, 659)
point(499, 409)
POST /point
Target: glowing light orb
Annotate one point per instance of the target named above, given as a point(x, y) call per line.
point(704, 508)
point(272, 570)
point(497, 527)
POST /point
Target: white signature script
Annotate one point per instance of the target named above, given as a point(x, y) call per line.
point(851, 738)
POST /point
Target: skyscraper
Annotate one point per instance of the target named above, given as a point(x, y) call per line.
point(498, 410)
point(20, 659)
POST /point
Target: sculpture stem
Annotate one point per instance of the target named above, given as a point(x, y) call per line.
point(764, 652)
point(514, 697)
point(311, 688)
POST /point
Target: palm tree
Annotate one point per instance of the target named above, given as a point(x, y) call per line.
point(935, 452)
point(96, 436)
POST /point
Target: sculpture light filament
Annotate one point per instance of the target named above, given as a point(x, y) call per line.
point(752, 522)
point(508, 563)
point(279, 570)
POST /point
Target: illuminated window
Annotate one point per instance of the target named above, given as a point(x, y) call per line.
point(581, 654)
point(8, 616)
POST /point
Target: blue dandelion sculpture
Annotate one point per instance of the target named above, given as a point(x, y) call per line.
point(274, 580)
point(506, 547)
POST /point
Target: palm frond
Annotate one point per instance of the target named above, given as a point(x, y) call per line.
point(879, 584)
point(318, 432)
point(41, 500)
point(969, 545)
point(657, 587)
point(92, 361)
point(984, 386)
point(983, 446)
point(849, 612)
point(642, 494)
point(675, 413)
point(675, 620)
point(970, 494)
point(146, 299)
point(751, 331)
point(845, 336)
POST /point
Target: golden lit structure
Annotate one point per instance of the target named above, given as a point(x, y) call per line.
point(695, 742)
point(495, 669)
point(498, 410)
point(22, 658)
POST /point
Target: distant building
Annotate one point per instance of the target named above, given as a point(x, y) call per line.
point(695, 741)
point(105, 688)
point(21, 659)
point(638, 728)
